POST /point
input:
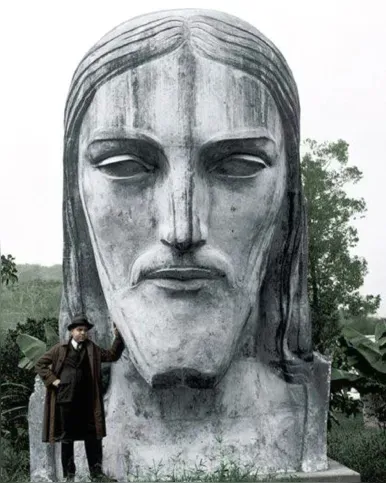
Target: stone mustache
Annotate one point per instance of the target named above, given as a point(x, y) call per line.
point(184, 223)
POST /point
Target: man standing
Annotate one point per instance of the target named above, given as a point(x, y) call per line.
point(74, 408)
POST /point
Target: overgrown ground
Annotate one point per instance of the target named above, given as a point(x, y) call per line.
point(361, 449)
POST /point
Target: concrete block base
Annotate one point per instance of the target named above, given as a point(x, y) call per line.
point(335, 473)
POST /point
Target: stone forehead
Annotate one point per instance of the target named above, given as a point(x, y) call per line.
point(216, 35)
point(218, 99)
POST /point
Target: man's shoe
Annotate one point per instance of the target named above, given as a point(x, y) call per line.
point(69, 478)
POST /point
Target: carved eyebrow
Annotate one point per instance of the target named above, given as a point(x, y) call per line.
point(103, 146)
point(262, 146)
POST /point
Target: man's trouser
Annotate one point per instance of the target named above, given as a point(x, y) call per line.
point(93, 452)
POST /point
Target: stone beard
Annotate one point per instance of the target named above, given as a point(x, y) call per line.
point(184, 224)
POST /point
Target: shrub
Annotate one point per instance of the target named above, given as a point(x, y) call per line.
point(359, 448)
point(17, 384)
point(14, 463)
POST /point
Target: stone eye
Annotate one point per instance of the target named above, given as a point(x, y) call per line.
point(239, 166)
point(124, 167)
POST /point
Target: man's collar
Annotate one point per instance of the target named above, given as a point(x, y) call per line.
point(74, 344)
point(66, 343)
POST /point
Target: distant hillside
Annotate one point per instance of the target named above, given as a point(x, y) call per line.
point(36, 296)
point(29, 272)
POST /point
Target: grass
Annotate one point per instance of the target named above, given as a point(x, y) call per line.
point(360, 449)
point(228, 471)
point(14, 464)
point(351, 444)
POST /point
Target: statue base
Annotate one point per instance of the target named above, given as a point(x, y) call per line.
point(252, 422)
point(335, 473)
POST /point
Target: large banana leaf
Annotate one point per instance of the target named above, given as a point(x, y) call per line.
point(34, 348)
point(342, 379)
point(52, 336)
point(365, 351)
point(355, 337)
point(31, 347)
point(25, 363)
point(380, 329)
point(380, 337)
point(340, 374)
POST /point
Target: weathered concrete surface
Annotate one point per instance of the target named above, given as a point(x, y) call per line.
point(184, 224)
point(248, 420)
point(335, 473)
point(245, 422)
point(42, 456)
point(45, 462)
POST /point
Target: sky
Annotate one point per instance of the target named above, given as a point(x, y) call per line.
point(334, 48)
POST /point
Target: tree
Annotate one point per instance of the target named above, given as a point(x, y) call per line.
point(8, 270)
point(335, 275)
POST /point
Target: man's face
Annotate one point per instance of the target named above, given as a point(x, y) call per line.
point(182, 174)
point(80, 333)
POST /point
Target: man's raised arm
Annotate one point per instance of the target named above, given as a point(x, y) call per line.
point(115, 351)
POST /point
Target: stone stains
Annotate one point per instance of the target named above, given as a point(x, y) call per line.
point(134, 88)
point(187, 84)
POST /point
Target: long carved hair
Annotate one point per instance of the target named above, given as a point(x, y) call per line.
point(284, 323)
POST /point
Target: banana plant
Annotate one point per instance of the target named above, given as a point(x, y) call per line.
point(13, 404)
point(360, 363)
point(33, 348)
point(367, 357)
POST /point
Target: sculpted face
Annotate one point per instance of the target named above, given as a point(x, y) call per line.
point(182, 173)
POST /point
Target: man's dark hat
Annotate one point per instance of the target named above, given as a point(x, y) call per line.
point(79, 320)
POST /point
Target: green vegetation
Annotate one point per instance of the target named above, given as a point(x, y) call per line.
point(35, 295)
point(14, 463)
point(359, 448)
point(335, 275)
point(16, 387)
point(31, 272)
point(362, 365)
point(8, 270)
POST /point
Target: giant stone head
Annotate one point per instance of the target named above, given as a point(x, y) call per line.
point(183, 209)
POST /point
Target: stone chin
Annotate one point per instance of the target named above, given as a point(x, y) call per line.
point(185, 342)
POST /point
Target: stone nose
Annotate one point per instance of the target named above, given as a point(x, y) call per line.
point(183, 246)
point(184, 226)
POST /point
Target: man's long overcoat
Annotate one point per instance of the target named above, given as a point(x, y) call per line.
point(49, 367)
